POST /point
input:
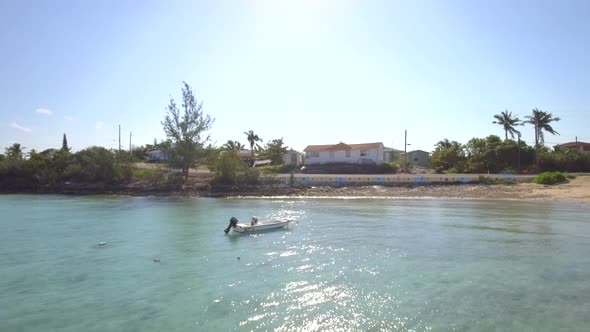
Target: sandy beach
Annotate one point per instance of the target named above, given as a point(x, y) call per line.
point(574, 190)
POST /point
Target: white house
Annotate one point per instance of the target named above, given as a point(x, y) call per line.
point(366, 153)
point(157, 155)
point(293, 157)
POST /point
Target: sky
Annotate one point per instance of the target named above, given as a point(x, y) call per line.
point(308, 71)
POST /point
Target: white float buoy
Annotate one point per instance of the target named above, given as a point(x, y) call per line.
point(156, 260)
point(102, 244)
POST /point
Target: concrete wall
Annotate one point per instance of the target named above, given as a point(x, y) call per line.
point(361, 179)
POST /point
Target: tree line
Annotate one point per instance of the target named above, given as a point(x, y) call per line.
point(494, 155)
point(187, 144)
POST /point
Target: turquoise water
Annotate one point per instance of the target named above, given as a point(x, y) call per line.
point(344, 265)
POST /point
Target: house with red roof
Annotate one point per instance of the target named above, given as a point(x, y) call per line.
point(577, 145)
point(365, 153)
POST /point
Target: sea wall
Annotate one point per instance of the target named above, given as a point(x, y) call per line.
point(392, 179)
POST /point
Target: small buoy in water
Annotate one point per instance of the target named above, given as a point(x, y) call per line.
point(102, 244)
point(156, 260)
point(238, 257)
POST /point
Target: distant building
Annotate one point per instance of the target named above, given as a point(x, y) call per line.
point(246, 155)
point(391, 154)
point(158, 155)
point(366, 153)
point(418, 158)
point(578, 146)
point(293, 157)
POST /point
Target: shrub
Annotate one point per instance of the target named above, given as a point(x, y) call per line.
point(390, 168)
point(229, 169)
point(156, 176)
point(277, 169)
point(549, 178)
point(248, 176)
point(175, 178)
point(271, 169)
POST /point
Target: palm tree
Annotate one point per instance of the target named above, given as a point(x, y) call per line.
point(508, 121)
point(15, 152)
point(446, 144)
point(541, 121)
point(252, 139)
point(443, 144)
point(233, 146)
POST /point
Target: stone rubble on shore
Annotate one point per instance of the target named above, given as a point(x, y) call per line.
point(577, 190)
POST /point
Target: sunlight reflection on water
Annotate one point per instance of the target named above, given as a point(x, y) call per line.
point(343, 265)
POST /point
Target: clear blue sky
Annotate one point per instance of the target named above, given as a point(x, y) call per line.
point(310, 71)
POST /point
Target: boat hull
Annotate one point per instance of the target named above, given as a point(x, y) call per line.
point(262, 226)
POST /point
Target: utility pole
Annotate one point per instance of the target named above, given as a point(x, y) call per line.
point(405, 145)
point(119, 138)
point(129, 141)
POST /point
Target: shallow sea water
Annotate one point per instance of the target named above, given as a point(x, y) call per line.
point(343, 265)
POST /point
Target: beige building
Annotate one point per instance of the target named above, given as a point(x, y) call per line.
point(577, 145)
point(418, 158)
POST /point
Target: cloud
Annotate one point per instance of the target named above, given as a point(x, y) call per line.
point(99, 125)
point(69, 118)
point(19, 127)
point(44, 111)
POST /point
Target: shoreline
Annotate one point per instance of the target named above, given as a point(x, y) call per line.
point(575, 190)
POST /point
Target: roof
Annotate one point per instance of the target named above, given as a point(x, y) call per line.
point(391, 149)
point(245, 153)
point(291, 151)
point(418, 151)
point(573, 144)
point(343, 147)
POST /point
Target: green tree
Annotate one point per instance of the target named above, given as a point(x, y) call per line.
point(448, 156)
point(252, 139)
point(14, 152)
point(482, 154)
point(93, 164)
point(140, 152)
point(227, 167)
point(542, 122)
point(508, 122)
point(274, 150)
point(233, 146)
point(445, 143)
point(186, 129)
point(210, 154)
point(64, 144)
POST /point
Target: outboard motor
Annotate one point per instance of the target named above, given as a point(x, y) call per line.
point(233, 222)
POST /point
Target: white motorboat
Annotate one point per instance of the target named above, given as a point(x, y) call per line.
point(257, 226)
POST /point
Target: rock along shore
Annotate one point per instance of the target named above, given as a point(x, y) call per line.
point(577, 189)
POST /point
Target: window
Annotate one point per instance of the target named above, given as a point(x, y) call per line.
point(347, 153)
point(313, 154)
point(364, 153)
point(331, 154)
